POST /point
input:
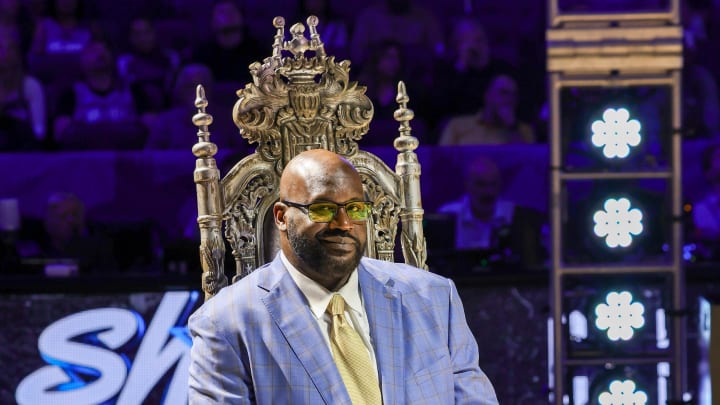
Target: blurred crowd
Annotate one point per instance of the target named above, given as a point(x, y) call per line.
point(121, 75)
point(73, 69)
point(83, 75)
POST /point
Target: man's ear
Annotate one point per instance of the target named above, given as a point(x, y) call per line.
point(279, 215)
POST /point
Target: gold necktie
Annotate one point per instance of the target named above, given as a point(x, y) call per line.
point(351, 357)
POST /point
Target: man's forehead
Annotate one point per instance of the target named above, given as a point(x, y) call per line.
point(338, 187)
point(314, 182)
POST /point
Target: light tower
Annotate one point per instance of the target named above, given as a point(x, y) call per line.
point(618, 334)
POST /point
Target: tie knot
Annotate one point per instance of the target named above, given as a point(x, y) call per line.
point(336, 305)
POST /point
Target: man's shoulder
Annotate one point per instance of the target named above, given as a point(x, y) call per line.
point(262, 277)
point(248, 290)
point(404, 277)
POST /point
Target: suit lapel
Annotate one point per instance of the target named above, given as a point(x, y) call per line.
point(290, 312)
point(383, 306)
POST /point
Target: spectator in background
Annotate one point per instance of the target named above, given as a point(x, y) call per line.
point(381, 75)
point(68, 237)
point(99, 112)
point(63, 31)
point(9, 236)
point(174, 129)
point(467, 70)
point(333, 30)
point(495, 123)
point(699, 30)
point(231, 49)
point(10, 262)
point(414, 26)
point(700, 100)
point(706, 212)
point(701, 103)
point(22, 102)
point(148, 67)
point(484, 221)
point(37, 8)
point(15, 22)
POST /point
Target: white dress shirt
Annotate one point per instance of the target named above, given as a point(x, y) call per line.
point(474, 233)
point(318, 298)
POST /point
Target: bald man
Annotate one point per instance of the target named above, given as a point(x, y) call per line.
point(266, 339)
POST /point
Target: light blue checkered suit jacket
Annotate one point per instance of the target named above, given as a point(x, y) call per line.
point(257, 342)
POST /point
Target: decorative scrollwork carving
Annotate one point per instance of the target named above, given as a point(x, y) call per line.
point(300, 102)
point(386, 215)
point(414, 250)
point(241, 218)
point(212, 258)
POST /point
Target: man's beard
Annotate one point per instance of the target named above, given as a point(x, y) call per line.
point(311, 252)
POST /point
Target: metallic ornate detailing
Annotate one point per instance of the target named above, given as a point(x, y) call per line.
point(408, 168)
point(247, 197)
point(405, 142)
point(207, 180)
point(301, 102)
point(382, 188)
point(212, 258)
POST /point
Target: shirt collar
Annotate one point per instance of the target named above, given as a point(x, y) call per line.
point(318, 296)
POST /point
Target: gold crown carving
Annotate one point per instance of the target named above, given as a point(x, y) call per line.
point(301, 99)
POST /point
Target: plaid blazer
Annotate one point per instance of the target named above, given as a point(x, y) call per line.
point(258, 342)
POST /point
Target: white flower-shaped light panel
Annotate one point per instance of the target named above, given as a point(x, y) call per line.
point(619, 316)
point(617, 222)
point(623, 393)
point(615, 133)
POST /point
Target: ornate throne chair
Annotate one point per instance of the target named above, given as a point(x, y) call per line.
point(300, 99)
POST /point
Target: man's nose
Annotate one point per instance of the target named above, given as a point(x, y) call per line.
point(341, 220)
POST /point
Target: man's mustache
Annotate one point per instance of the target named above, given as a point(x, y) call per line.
point(338, 232)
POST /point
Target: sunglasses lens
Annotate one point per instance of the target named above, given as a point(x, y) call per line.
point(322, 212)
point(358, 211)
point(325, 212)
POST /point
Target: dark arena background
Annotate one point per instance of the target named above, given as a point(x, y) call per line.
point(570, 182)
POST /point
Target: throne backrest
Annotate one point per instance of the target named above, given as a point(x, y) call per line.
point(300, 99)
